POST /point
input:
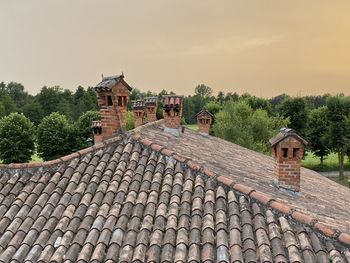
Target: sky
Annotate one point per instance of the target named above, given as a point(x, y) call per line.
point(264, 48)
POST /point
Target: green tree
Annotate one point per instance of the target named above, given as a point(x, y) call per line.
point(317, 132)
point(17, 93)
point(203, 91)
point(130, 123)
point(49, 98)
point(213, 107)
point(53, 136)
point(83, 128)
point(16, 138)
point(7, 105)
point(33, 111)
point(296, 110)
point(339, 128)
point(239, 123)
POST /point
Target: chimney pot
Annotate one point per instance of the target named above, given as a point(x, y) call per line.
point(172, 113)
point(204, 120)
point(288, 150)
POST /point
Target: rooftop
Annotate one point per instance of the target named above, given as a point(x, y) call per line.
point(148, 196)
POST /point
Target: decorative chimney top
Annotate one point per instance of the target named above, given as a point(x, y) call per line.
point(288, 150)
point(204, 120)
point(151, 104)
point(138, 108)
point(172, 113)
point(112, 96)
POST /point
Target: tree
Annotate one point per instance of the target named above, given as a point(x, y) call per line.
point(339, 128)
point(83, 127)
point(296, 110)
point(17, 93)
point(49, 98)
point(16, 138)
point(317, 134)
point(213, 107)
point(130, 123)
point(239, 123)
point(33, 111)
point(7, 105)
point(53, 136)
point(203, 91)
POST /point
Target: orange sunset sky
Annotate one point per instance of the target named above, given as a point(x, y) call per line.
point(262, 47)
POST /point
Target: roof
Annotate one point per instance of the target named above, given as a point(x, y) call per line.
point(284, 133)
point(108, 82)
point(204, 112)
point(131, 199)
point(138, 104)
point(151, 100)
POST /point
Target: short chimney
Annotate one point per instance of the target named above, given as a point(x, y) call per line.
point(151, 104)
point(112, 97)
point(204, 120)
point(138, 107)
point(97, 131)
point(172, 113)
point(288, 150)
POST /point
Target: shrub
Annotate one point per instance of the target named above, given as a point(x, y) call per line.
point(53, 136)
point(16, 138)
point(83, 129)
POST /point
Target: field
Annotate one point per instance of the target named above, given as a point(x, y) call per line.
point(330, 162)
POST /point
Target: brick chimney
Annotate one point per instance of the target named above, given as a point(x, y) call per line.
point(151, 104)
point(112, 96)
point(172, 113)
point(288, 150)
point(204, 120)
point(97, 130)
point(138, 108)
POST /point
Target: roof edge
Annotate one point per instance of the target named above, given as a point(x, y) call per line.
point(263, 198)
point(61, 159)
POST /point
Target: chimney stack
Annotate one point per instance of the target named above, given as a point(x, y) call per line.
point(112, 96)
point(138, 107)
point(151, 104)
point(172, 113)
point(97, 130)
point(204, 120)
point(288, 150)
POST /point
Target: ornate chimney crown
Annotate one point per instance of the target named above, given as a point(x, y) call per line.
point(288, 150)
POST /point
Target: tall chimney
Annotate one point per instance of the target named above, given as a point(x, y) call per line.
point(204, 120)
point(112, 96)
point(172, 113)
point(97, 130)
point(151, 104)
point(138, 107)
point(288, 150)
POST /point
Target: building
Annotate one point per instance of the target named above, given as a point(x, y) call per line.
point(149, 195)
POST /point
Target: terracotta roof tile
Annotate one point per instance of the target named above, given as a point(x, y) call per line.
point(128, 203)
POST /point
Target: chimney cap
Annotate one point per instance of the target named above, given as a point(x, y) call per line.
point(150, 100)
point(204, 112)
point(284, 133)
point(108, 82)
point(138, 104)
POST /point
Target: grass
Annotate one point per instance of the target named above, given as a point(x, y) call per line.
point(330, 162)
point(344, 182)
point(192, 126)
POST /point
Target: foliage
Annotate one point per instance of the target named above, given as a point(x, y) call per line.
point(213, 107)
point(53, 136)
point(83, 129)
point(130, 123)
point(239, 123)
point(16, 138)
point(339, 128)
point(296, 110)
point(318, 132)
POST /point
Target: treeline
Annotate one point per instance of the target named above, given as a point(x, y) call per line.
point(60, 120)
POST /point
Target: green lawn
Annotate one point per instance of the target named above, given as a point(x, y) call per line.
point(344, 182)
point(192, 126)
point(329, 164)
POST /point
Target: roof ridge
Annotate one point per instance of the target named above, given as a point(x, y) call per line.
point(261, 197)
point(62, 159)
